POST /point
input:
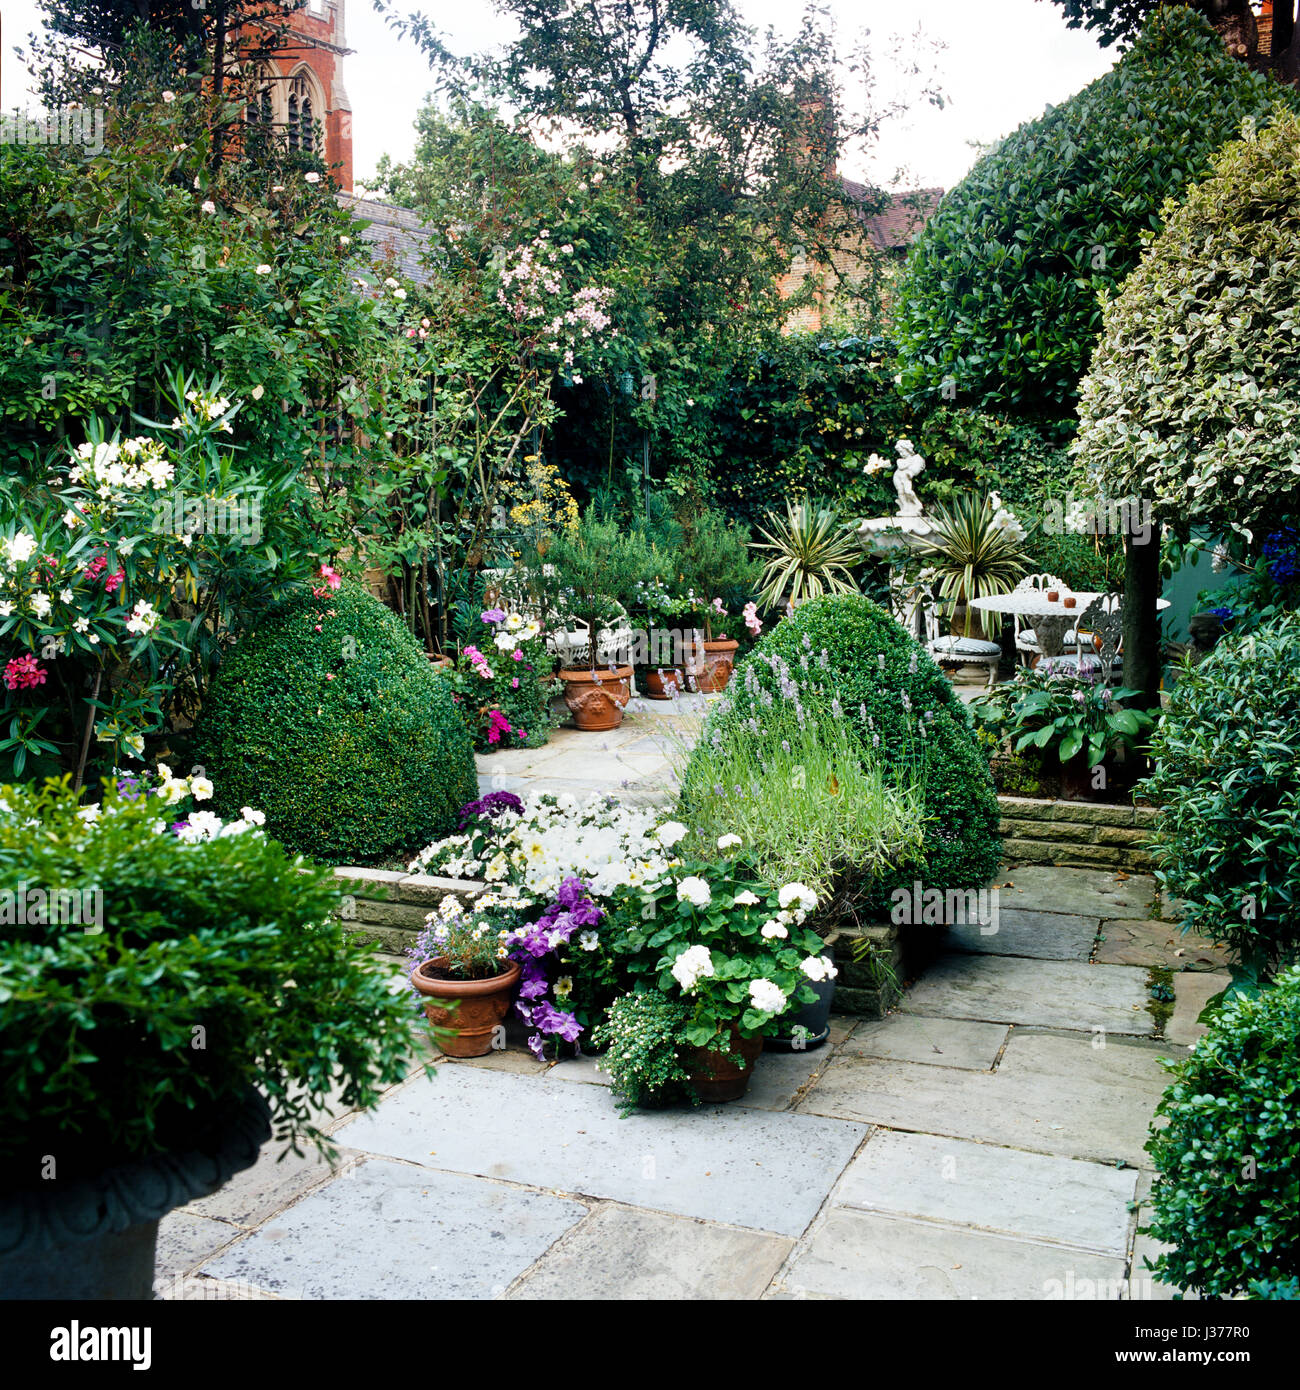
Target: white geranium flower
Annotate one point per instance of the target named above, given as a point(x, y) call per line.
point(729, 841)
point(691, 966)
point(746, 899)
point(798, 894)
point(814, 967)
point(695, 891)
point(766, 997)
point(670, 833)
point(774, 930)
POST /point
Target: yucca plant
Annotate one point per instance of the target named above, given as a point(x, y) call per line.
point(973, 553)
point(813, 553)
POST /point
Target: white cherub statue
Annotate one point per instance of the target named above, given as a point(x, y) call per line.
point(910, 463)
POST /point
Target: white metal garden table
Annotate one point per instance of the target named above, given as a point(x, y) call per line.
point(1051, 617)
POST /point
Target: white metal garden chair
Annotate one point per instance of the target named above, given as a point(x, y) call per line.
point(959, 651)
point(1097, 640)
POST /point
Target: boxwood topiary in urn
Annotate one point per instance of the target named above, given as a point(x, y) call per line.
point(844, 657)
point(330, 720)
point(165, 1004)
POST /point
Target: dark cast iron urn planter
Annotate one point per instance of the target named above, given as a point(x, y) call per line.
point(809, 1027)
point(93, 1238)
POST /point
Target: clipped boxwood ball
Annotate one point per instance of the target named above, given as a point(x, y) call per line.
point(330, 719)
point(844, 656)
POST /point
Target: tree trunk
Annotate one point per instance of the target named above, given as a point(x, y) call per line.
point(1142, 665)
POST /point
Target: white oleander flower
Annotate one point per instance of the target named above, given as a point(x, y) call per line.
point(767, 997)
point(695, 891)
point(21, 546)
point(41, 604)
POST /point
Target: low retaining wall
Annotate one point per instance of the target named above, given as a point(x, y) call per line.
point(390, 907)
point(1075, 834)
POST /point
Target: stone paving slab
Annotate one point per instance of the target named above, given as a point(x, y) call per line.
point(388, 1231)
point(186, 1240)
point(858, 1255)
point(1193, 990)
point(621, 1253)
point(745, 1167)
point(1021, 932)
point(271, 1183)
point(941, 1042)
point(1061, 1201)
point(1049, 994)
point(1152, 942)
point(1050, 1094)
point(1098, 893)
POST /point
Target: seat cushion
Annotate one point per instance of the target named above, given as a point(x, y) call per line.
point(964, 646)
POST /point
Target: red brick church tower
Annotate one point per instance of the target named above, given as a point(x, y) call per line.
point(300, 89)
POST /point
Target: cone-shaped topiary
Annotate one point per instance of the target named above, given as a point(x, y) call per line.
point(842, 656)
point(999, 306)
point(329, 718)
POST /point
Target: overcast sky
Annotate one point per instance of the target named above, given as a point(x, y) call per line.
point(1004, 60)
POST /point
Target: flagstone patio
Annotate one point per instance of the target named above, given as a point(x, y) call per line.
point(986, 1141)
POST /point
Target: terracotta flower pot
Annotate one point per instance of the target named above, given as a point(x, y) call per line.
point(596, 698)
point(480, 1005)
point(715, 670)
point(654, 682)
point(439, 663)
point(715, 1074)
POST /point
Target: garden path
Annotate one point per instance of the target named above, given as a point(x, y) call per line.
point(984, 1141)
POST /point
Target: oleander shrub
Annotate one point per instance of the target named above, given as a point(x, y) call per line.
point(843, 657)
point(330, 719)
point(1228, 1161)
point(999, 306)
point(1227, 775)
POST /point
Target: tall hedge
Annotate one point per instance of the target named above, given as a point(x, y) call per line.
point(330, 719)
point(1193, 400)
point(844, 656)
point(999, 304)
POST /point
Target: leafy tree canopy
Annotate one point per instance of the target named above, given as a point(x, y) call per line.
point(1193, 399)
point(999, 306)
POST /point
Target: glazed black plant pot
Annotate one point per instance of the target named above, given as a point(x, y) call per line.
point(814, 1017)
point(93, 1238)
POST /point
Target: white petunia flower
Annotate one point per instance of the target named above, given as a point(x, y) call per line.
point(200, 788)
point(670, 833)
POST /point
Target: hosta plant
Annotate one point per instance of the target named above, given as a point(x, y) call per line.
point(812, 552)
point(1063, 716)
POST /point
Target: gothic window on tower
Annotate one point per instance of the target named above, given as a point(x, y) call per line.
point(260, 110)
point(302, 115)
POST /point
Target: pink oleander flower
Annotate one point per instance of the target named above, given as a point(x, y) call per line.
point(331, 576)
point(24, 673)
point(114, 581)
